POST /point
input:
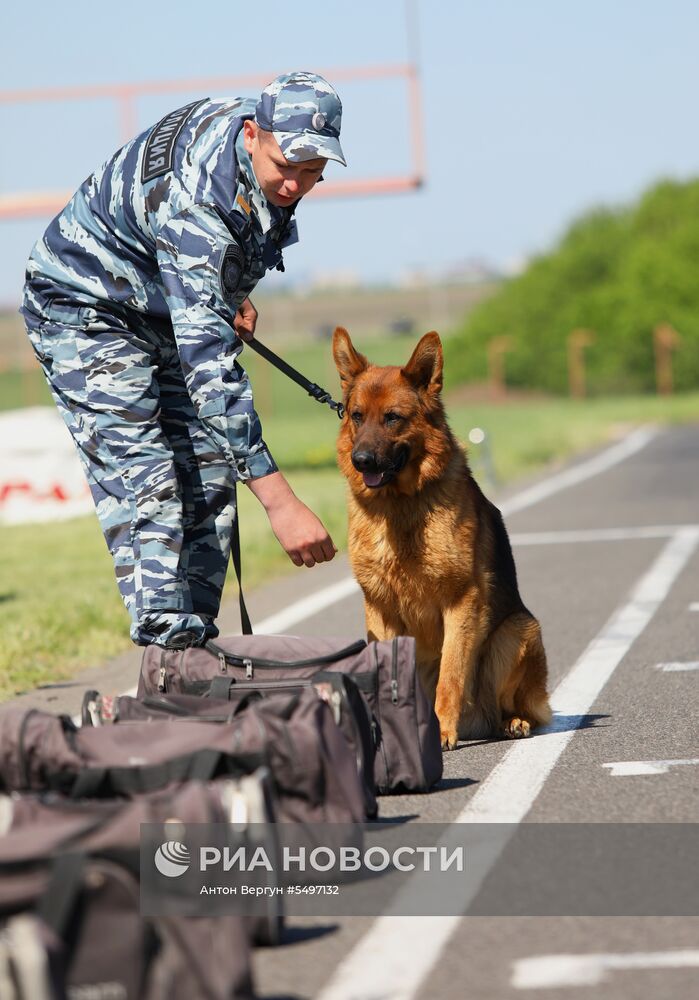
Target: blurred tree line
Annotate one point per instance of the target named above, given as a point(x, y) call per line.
point(617, 272)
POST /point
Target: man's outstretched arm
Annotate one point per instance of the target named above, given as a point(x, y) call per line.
point(299, 532)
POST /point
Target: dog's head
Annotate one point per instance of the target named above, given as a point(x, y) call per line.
point(394, 433)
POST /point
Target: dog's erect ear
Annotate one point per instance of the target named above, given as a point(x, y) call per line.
point(425, 366)
point(349, 362)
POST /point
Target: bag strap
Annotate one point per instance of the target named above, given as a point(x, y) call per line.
point(199, 765)
point(220, 688)
point(92, 782)
point(58, 902)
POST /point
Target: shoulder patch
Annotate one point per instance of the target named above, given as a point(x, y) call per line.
point(160, 144)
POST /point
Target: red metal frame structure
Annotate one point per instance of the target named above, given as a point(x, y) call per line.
point(24, 205)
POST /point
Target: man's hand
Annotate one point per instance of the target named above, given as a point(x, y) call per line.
point(245, 320)
point(299, 532)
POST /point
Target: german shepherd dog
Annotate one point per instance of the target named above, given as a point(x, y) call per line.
point(431, 553)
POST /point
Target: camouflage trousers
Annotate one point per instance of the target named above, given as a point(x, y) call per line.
point(164, 494)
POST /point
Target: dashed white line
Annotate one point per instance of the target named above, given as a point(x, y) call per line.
point(553, 971)
point(596, 535)
point(584, 470)
point(626, 768)
point(677, 666)
point(307, 607)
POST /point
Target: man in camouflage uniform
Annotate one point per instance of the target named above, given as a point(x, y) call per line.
point(136, 301)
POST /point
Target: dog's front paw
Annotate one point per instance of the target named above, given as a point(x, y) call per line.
point(449, 738)
point(448, 724)
point(517, 728)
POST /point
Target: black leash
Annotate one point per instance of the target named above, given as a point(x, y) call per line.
point(245, 622)
point(311, 388)
point(322, 397)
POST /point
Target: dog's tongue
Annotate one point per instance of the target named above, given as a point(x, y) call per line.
point(372, 478)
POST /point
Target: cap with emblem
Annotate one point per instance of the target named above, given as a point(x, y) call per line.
point(304, 113)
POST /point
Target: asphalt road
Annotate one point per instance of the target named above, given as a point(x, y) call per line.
point(610, 566)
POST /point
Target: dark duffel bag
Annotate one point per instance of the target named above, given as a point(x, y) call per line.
point(350, 712)
point(106, 823)
point(408, 751)
point(312, 768)
point(69, 906)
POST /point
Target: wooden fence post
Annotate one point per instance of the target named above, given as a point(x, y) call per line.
point(665, 340)
point(578, 340)
point(497, 349)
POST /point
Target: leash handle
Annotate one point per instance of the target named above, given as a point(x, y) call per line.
point(283, 366)
point(245, 623)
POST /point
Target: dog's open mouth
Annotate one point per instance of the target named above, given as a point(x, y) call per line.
point(374, 480)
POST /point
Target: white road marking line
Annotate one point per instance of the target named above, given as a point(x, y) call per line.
point(632, 443)
point(392, 959)
point(676, 666)
point(307, 607)
point(694, 606)
point(626, 768)
point(596, 535)
point(553, 971)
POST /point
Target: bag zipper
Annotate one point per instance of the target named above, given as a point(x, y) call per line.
point(335, 702)
point(382, 746)
point(394, 672)
point(272, 685)
point(225, 659)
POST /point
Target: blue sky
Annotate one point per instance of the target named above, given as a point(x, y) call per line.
point(534, 111)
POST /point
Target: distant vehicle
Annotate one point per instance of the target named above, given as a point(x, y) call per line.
point(323, 331)
point(401, 326)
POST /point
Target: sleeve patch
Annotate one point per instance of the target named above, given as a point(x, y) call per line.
point(160, 144)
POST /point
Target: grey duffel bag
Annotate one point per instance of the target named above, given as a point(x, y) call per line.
point(349, 708)
point(313, 772)
point(408, 751)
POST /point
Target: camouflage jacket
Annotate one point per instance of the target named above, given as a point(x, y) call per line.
point(175, 227)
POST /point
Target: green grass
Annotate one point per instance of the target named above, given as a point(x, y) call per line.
point(23, 388)
point(59, 602)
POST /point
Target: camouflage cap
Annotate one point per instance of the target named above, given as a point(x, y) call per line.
point(304, 113)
